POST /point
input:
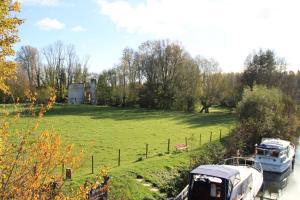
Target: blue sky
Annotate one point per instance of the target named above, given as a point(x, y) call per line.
point(227, 30)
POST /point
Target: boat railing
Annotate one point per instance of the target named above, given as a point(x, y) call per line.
point(242, 161)
point(293, 145)
point(183, 195)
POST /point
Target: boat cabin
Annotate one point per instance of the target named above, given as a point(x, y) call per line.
point(212, 182)
point(273, 148)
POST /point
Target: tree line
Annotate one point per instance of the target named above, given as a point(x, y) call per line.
point(162, 74)
point(159, 74)
point(53, 67)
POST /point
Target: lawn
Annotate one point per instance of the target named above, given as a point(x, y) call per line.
point(102, 131)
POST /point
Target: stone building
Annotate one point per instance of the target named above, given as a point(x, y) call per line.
point(76, 93)
point(80, 93)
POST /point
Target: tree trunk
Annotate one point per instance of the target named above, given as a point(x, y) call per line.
point(124, 101)
point(205, 107)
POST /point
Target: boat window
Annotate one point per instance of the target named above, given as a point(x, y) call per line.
point(260, 151)
point(210, 178)
point(229, 189)
point(213, 190)
point(215, 179)
point(275, 154)
point(236, 180)
point(268, 152)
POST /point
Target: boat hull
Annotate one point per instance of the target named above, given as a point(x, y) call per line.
point(276, 168)
point(255, 185)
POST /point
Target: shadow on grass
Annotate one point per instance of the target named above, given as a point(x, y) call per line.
point(118, 113)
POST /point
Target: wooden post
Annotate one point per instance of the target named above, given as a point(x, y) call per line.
point(146, 150)
point(220, 135)
point(210, 136)
point(119, 159)
point(200, 141)
point(169, 145)
point(186, 143)
point(92, 164)
point(68, 173)
point(62, 169)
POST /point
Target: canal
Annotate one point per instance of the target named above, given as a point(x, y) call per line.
point(284, 186)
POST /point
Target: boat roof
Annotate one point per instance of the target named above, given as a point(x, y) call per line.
point(273, 143)
point(220, 171)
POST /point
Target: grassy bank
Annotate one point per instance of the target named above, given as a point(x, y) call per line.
point(102, 131)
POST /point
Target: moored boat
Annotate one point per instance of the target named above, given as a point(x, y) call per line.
point(275, 155)
point(236, 179)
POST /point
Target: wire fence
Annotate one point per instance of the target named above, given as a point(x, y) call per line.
point(168, 147)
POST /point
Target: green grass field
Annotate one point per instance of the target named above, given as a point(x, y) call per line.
point(102, 131)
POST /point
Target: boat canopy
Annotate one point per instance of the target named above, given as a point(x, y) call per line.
point(216, 171)
point(271, 143)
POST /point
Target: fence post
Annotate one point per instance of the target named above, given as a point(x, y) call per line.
point(186, 143)
point(68, 173)
point(169, 145)
point(146, 150)
point(220, 135)
point(210, 136)
point(92, 164)
point(119, 159)
point(200, 141)
point(63, 169)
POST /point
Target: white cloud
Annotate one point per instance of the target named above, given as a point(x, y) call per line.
point(225, 29)
point(50, 24)
point(78, 28)
point(41, 2)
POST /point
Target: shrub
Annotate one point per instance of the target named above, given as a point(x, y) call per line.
point(263, 112)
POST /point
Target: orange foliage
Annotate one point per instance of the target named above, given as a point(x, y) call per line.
point(8, 32)
point(30, 159)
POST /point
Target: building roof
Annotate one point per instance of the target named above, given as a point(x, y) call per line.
point(220, 171)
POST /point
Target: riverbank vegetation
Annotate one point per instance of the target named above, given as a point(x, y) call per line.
point(264, 113)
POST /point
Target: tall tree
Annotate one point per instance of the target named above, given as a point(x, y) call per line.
point(148, 94)
point(85, 69)
point(125, 70)
point(170, 57)
point(160, 60)
point(114, 98)
point(103, 89)
point(55, 57)
point(71, 62)
point(261, 67)
point(29, 60)
point(8, 37)
point(232, 89)
point(187, 84)
point(211, 79)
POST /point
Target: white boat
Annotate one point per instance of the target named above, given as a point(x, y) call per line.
point(236, 179)
point(275, 155)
